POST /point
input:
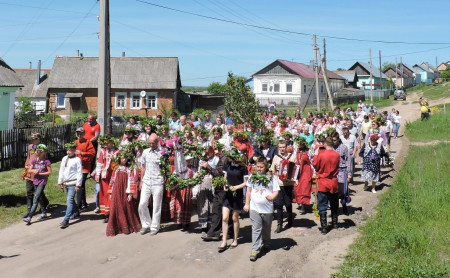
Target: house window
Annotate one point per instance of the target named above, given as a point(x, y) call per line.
point(264, 87)
point(321, 89)
point(121, 100)
point(304, 89)
point(152, 100)
point(135, 101)
point(289, 88)
point(60, 100)
point(276, 88)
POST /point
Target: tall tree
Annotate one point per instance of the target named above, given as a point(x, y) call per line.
point(216, 87)
point(241, 100)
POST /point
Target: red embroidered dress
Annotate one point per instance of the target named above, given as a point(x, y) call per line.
point(302, 188)
point(104, 170)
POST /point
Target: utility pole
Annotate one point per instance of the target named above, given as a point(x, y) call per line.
point(104, 71)
point(326, 80)
point(317, 73)
point(396, 79)
point(401, 70)
point(370, 79)
point(379, 59)
point(324, 54)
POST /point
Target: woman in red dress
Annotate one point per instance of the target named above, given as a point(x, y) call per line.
point(302, 188)
point(123, 214)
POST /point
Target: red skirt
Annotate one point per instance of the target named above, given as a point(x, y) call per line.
point(182, 206)
point(302, 188)
point(123, 215)
point(104, 197)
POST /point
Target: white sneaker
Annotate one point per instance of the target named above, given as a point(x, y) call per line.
point(97, 210)
point(373, 190)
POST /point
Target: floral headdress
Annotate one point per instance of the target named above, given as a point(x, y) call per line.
point(265, 138)
point(162, 128)
point(217, 128)
point(301, 141)
point(234, 154)
point(132, 129)
point(42, 147)
point(286, 135)
point(104, 139)
point(148, 121)
point(203, 132)
point(70, 145)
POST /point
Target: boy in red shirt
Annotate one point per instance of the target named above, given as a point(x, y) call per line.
point(86, 152)
point(326, 164)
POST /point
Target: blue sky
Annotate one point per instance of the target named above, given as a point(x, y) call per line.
point(207, 49)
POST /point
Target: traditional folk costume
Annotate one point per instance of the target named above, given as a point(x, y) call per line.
point(280, 168)
point(87, 156)
point(104, 171)
point(302, 187)
point(182, 208)
point(124, 218)
point(326, 164)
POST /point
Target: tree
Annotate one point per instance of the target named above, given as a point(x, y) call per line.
point(446, 73)
point(387, 65)
point(340, 69)
point(216, 87)
point(25, 111)
point(241, 100)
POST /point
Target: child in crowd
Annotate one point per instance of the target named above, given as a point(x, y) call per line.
point(123, 215)
point(41, 168)
point(69, 180)
point(262, 189)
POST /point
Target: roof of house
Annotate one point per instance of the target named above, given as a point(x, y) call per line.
point(30, 89)
point(366, 67)
point(390, 72)
point(429, 66)
point(126, 73)
point(349, 75)
point(8, 77)
point(300, 69)
point(421, 68)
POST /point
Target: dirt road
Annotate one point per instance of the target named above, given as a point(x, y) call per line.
point(83, 250)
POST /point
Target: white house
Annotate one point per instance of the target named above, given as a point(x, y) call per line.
point(34, 87)
point(288, 83)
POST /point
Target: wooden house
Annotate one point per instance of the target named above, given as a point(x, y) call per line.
point(139, 85)
point(363, 72)
point(287, 83)
point(9, 83)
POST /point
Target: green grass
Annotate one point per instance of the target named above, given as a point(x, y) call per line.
point(408, 237)
point(432, 91)
point(12, 194)
point(436, 128)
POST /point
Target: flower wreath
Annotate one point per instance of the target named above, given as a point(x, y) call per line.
point(70, 145)
point(264, 180)
point(301, 141)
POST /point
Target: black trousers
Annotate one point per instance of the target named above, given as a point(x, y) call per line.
point(216, 214)
point(284, 198)
point(81, 194)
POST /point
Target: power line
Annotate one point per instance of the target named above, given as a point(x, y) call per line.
point(289, 31)
point(71, 33)
point(35, 7)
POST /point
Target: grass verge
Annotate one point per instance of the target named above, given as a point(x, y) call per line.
point(13, 202)
point(436, 128)
point(432, 91)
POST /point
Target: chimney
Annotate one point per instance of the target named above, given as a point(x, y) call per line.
point(31, 64)
point(123, 53)
point(78, 53)
point(38, 71)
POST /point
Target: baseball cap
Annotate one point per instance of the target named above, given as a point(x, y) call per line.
point(80, 129)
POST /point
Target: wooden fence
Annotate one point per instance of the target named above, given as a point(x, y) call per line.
point(14, 142)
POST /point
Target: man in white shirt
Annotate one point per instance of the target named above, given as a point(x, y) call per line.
point(152, 184)
point(69, 179)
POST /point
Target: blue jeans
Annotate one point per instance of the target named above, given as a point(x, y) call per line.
point(97, 189)
point(323, 198)
point(396, 128)
point(71, 205)
point(39, 190)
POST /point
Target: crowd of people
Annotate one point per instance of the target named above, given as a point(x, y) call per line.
point(218, 169)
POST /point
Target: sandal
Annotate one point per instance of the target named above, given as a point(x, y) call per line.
point(233, 245)
point(222, 248)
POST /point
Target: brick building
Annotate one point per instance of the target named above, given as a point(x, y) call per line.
point(73, 85)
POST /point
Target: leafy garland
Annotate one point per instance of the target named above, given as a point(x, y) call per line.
point(174, 181)
point(265, 138)
point(234, 154)
point(286, 135)
point(264, 180)
point(103, 140)
point(70, 145)
point(220, 182)
point(300, 141)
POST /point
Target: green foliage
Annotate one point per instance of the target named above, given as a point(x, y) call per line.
point(48, 118)
point(340, 69)
point(80, 117)
point(408, 237)
point(216, 87)
point(446, 73)
point(26, 112)
point(200, 112)
point(389, 84)
point(433, 91)
point(387, 65)
point(240, 99)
